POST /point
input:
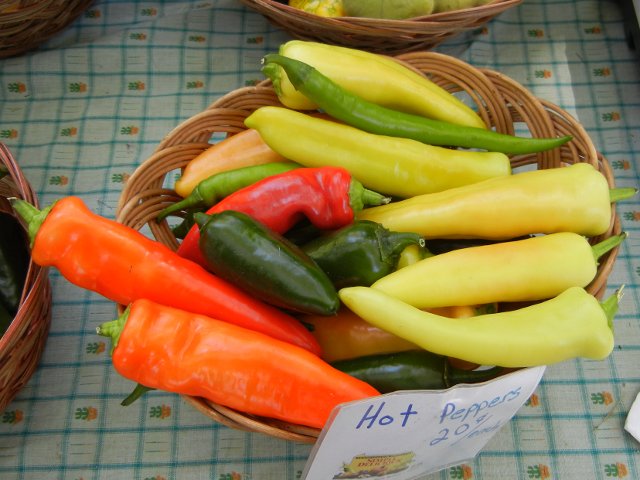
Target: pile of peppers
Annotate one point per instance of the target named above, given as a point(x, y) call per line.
point(386, 246)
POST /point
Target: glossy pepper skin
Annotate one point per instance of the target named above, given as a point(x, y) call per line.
point(265, 264)
point(123, 265)
point(345, 335)
point(575, 199)
point(572, 325)
point(395, 166)
point(14, 262)
point(377, 78)
point(210, 190)
point(370, 117)
point(328, 197)
point(411, 370)
point(360, 253)
point(243, 149)
point(533, 269)
point(177, 351)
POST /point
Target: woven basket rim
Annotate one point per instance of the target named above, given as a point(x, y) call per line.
point(22, 344)
point(388, 36)
point(507, 102)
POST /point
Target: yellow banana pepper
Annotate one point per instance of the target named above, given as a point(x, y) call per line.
point(374, 77)
point(393, 166)
point(575, 199)
point(536, 268)
point(572, 325)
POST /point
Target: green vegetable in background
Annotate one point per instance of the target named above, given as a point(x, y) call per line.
point(360, 253)
point(243, 251)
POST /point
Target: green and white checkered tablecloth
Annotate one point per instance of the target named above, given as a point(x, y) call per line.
point(81, 113)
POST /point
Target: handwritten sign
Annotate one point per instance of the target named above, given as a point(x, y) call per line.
point(412, 433)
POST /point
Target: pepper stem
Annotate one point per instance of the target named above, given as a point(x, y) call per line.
point(114, 328)
point(359, 197)
point(193, 200)
point(135, 395)
point(33, 217)
point(599, 249)
point(622, 193)
point(610, 306)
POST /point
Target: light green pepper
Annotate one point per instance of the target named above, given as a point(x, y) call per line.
point(390, 165)
point(573, 324)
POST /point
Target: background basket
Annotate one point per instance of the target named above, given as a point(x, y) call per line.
point(22, 344)
point(377, 35)
point(25, 24)
point(501, 102)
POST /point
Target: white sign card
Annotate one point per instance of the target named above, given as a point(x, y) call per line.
point(405, 435)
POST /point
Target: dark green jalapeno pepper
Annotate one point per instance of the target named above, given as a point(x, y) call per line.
point(243, 251)
point(411, 370)
point(376, 119)
point(360, 253)
point(14, 261)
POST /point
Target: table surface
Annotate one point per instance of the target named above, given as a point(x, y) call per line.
point(85, 110)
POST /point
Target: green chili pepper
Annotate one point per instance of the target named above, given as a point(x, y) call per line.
point(243, 251)
point(14, 262)
point(360, 253)
point(411, 370)
point(373, 118)
point(223, 184)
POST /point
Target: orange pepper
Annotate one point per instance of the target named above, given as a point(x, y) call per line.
point(242, 149)
point(123, 265)
point(345, 335)
point(173, 350)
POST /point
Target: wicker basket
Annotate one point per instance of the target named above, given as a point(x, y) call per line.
point(22, 344)
point(376, 35)
point(25, 24)
point(502, 103)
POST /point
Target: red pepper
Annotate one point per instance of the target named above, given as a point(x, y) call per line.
point(123, 265)
point(172, 350)
point(327, 196)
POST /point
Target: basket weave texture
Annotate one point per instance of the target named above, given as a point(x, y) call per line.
point(379, 35)
point(25, 24)
point(501, 102)
point(22, 344)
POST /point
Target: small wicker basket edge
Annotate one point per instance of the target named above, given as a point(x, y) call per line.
point(22, 344)
point(502, 102)
point(379, 35)
point(26, 24)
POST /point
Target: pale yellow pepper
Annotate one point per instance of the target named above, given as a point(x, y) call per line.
point(572, 325)
point(532, 269)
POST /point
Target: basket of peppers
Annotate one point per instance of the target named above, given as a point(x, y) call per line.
point(25, 292)
point(381, 26)
point(310, 240)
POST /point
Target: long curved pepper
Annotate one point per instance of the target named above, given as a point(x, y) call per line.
point(573, 324)
point(373, 118)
